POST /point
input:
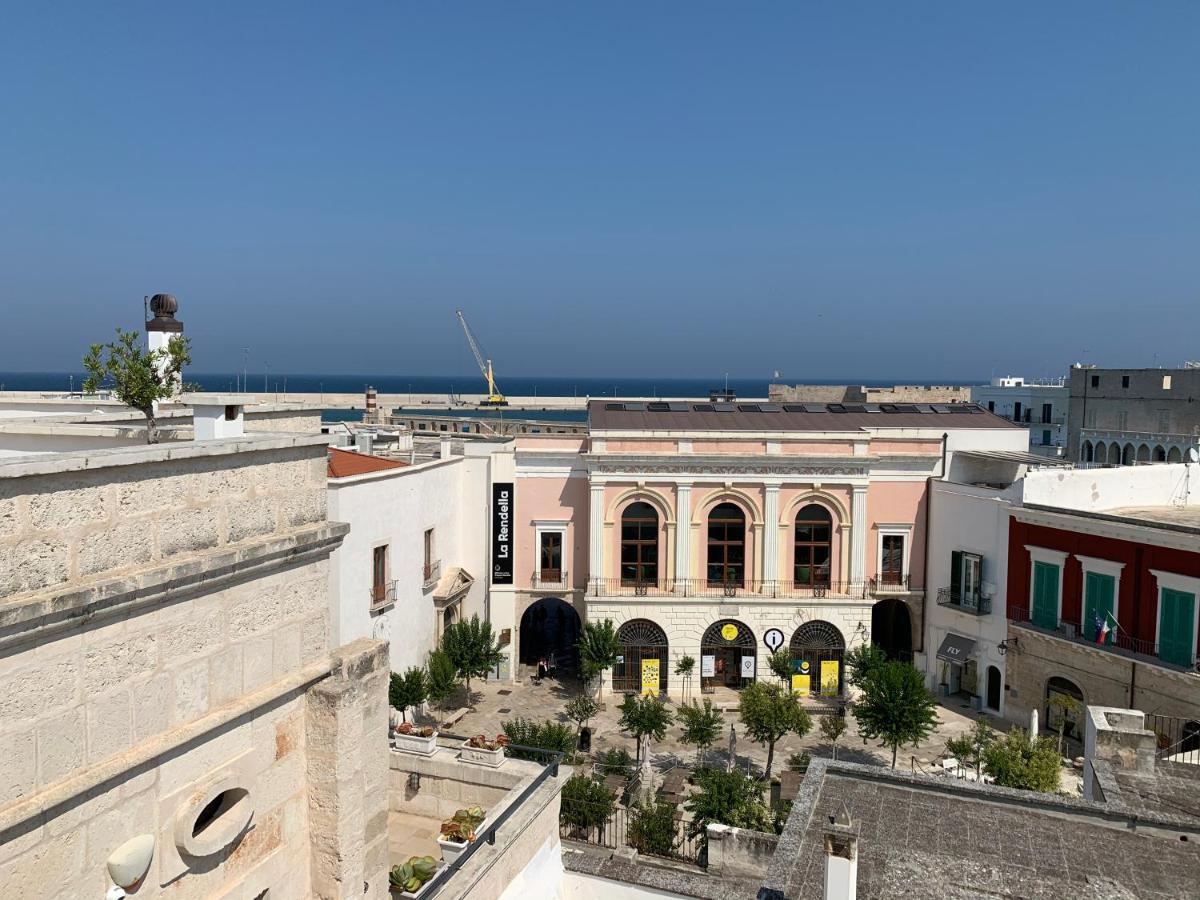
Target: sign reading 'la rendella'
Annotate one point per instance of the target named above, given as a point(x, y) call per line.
point(502, 532)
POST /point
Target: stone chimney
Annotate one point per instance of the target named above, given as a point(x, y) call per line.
point(1120, 738)
point(841, 857)
point(217, 416)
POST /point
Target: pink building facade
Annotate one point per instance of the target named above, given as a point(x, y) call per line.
point(721, 532)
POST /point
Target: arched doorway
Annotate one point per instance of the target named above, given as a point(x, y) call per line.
point(1160, 453)
point(1101, 454)
point(1063, 704)
point(815, 643)
point(550, 629)
point(723, 649)
point(993, 689)
point(1128, 455)
point(640, 639)
point(726, 547)
point(1086, 453)
point(891, 629)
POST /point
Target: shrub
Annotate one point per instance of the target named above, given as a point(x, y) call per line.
point(586, 803)
point(729, 798)
point(554, 736)
point(798, 762)
point(1018, 762)
point(616, 761)
point(652, 829)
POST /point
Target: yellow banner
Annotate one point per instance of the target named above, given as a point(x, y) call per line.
point(650, 677)
point(800, 684)
point(829, 678)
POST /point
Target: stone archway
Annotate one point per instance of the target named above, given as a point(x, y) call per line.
point(814, 643)
point(550, 628)
point(722, 648)
point(640, 640)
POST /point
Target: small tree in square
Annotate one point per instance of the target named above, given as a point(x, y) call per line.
point(895, 707)
point(408, 690)
point(832, 729)
point(598, 649)
point(780, 664)
point(769, 712)
point(702, 726)
point(442, 678)
point(644, 718)
point(473, 648)
point(684, 669)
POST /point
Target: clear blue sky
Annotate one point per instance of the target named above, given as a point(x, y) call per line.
point(869, 190)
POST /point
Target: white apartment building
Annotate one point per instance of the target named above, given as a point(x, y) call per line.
point(1041, 406)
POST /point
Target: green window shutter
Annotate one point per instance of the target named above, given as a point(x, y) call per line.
point(1099, 592)
point(1045, 595)
point(956, 575)
point(1176, 619)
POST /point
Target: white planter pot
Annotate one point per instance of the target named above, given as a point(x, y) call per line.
point(451, 850)
point(491, 758)
point(421, 893)
point(414, 743)
point(394, 718)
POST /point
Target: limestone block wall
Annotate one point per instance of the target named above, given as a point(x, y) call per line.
point(447, 784)
point(306, 421)
point(1102, 676)
point(80, 517)
point(686, 621)
point(739, 852)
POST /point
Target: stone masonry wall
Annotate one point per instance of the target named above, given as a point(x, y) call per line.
point(290, 421)
point(1102, 676)
point(74, 526)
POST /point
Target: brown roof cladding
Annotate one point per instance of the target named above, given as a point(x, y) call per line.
point(344, 463)
point(609, 415)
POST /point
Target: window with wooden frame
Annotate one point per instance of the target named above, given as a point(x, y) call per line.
point(891, 561)
point(966, 578)
point(813, 546)
point(550, 556)
point(639, 544)
point(726, 546)
point(380, 570)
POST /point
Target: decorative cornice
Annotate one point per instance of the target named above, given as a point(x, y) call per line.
point(727, 464)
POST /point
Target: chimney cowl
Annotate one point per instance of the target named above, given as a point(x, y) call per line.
point(163, 307)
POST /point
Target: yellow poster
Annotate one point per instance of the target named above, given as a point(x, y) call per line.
point(829, 678)
point(729, 631)
point(800, 684)
point(650, 677)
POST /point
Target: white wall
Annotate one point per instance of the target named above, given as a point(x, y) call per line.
point(1162, 484)
point(973, 519)
point(395, 507)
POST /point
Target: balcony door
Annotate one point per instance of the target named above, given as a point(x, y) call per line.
point(726, 546)
point(550, 566)
point(639, 545)
point(1098, 605)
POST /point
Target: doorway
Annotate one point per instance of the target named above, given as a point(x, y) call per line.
point(550, 630)
point(728, 656)
point(993, 689)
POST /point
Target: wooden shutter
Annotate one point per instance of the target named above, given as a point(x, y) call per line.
point(1175, 624)
point(956, 559)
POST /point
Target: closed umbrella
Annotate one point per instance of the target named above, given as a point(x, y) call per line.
point(732, 748)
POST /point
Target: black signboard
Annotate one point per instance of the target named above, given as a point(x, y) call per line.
point(502, 534)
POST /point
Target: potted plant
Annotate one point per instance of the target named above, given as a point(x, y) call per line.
point(416, 739)
point(945, 679)
point(483, 751)
point(411, 878)
point(458, 831)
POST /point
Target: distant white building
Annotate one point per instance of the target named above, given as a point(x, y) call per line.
point(1041, 406)
point(414, 559)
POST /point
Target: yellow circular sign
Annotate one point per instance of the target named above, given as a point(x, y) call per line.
point(804, 665)
point(729, 631)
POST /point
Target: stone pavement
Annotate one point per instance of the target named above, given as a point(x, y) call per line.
point(496, 702)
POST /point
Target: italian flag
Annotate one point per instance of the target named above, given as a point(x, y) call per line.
point(1105, 628)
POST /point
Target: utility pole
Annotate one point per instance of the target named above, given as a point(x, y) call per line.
point(266, 372)
point(245, 358)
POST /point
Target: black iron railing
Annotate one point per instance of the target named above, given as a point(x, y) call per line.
point(383, 594)
point(1178, 740)
point(650, 830)
point(964, 601)
point(701, 587)
point(1117, 640)
point(549, 578)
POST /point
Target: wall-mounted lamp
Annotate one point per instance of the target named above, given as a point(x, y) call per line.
point(414, 780)
point(1004, 645)
point(129, 863)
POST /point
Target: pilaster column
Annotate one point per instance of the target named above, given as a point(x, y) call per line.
point(858, 535)
point(771, 534)
point(596, 532)
point(683, 531)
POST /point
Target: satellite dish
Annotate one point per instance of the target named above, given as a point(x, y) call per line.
point(1193, 455)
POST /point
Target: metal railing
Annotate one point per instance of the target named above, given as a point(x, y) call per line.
point(973, 604)
point(888, 582)
point(555, 579)
point(1178, 739)
point(383, 594)
point(634, 827)
point(701, 587)
point(1118, 641)
point(430, 573)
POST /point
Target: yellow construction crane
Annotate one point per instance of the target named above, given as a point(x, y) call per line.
point(494, 398)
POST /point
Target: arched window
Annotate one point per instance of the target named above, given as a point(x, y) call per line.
point(814, 546)
point(726, 546)
point(640, 640)
point(639, 544)
point(1064, 707)
point(817, 649)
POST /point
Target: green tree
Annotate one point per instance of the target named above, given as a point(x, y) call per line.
point(408, 690)
point(553, 736)
point(473, 648)
point(138, 378)
point(441, 677)
point(780, 664)
point(769, 712)
point(585, 804)
point(1066, 706)
point(644, 718)
point(652, 829)
point(581, 709)
point(969, 748)
point(702, 725)
point(895, 707)
point(1018, 762)
point(598, 649)
point(799, 762)
point(861, 661)
point(832, 728)
point(684, 669)
point(616, 761)
point(728, 798)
